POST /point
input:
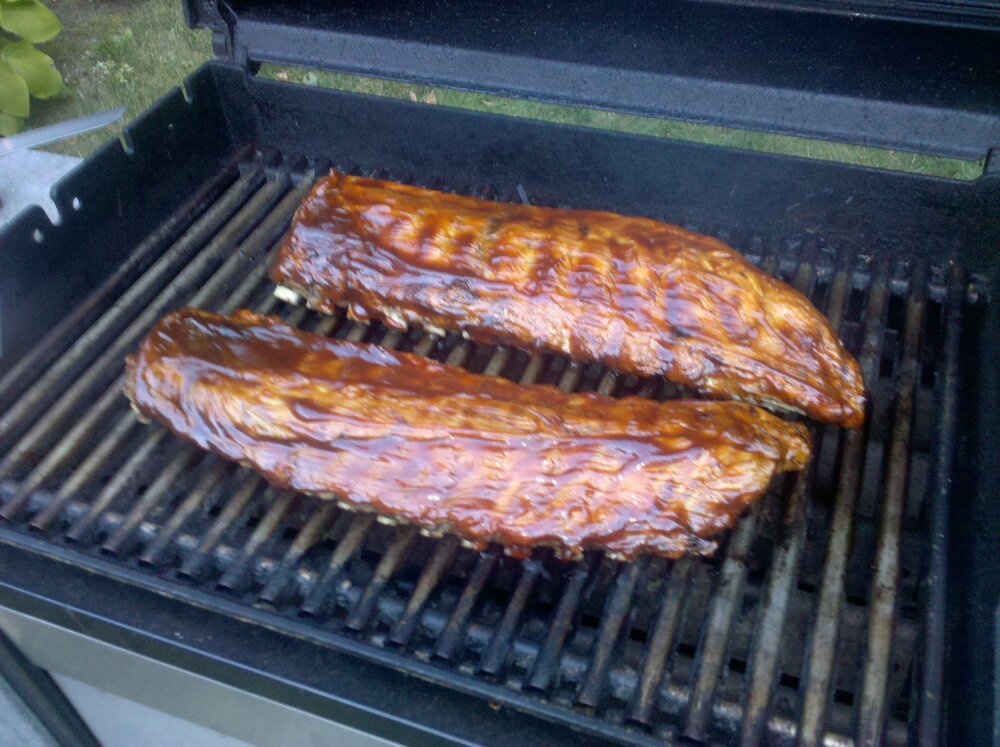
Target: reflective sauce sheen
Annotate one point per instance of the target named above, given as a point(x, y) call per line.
point(639, 296)
point(450, 450)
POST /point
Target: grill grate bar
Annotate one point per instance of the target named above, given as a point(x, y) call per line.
point(114, 352)
point(533, 370)
point(885, 584)
point(823, 641)
point(784, 569)
point(454, 630)
point(570, 378)
point(358, 332)
point(496, 653)
point(195, 562)
point(122, 480)
point(216, 472)
point(65, 334)
point(316, 601)
point(608, 383)
point(433, 571)
point(81, 434)
point(768, 639)
point(393, 337)
point(458, 354)
point(386, 568)
point(93, 462)
point(325, 326)
point(662, 642)
point(232, 579)
point(547, 662)
point(104, 332)
point(726, 598)
point(615, 613)
point(245, 290)
point(306, 538)
point(497, 362)
point(153, 495)
point(929, 718)
point(423, 347)
point(151, 555)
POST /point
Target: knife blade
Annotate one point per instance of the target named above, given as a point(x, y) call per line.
point(59, 130)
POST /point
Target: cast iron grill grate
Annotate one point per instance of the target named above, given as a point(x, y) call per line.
point(805, 624)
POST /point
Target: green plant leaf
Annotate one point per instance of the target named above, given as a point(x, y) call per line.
point(29, 19)
point(37, 68)
point(9, 124)
point(13, 92)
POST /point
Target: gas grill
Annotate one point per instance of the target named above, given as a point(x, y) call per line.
point(853, 604)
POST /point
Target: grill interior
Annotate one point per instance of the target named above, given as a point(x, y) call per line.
point(806, 624)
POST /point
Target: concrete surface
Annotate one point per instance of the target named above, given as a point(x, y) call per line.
point(25, 179)
point(18, 725)
point(117, 722)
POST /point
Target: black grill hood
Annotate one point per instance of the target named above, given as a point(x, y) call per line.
point(916, 76)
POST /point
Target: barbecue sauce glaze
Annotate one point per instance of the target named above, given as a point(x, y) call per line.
point(450, 450)
point(639, 296)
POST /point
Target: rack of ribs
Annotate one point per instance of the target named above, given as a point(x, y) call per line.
point(639, 296)
point(449, 450)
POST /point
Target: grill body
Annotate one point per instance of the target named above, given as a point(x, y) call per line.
point(822, 617)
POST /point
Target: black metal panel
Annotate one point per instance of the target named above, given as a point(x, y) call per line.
point(108, 205)
point(974, 538)
point(768, 66)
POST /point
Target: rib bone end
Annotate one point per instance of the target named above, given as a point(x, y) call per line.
point(283, 293)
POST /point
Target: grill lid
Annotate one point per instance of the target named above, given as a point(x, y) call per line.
point(917, 76)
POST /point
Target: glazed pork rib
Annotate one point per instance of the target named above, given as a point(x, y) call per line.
point(449, 450)
point(639, 296)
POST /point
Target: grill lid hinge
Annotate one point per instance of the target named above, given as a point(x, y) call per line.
point(225, 45)
point(217, 16)
point(992, 165)
point(220, 43)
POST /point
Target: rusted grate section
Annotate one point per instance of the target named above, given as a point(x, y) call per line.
point(804, 626)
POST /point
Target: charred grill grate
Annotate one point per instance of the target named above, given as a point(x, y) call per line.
point(806, 623)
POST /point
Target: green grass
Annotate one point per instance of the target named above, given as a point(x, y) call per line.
point(113, 54)
point(130, 53)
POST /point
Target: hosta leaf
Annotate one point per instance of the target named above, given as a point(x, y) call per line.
point(29, 19)
point(37, 68)
point(10, 124)
point(13, 92)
